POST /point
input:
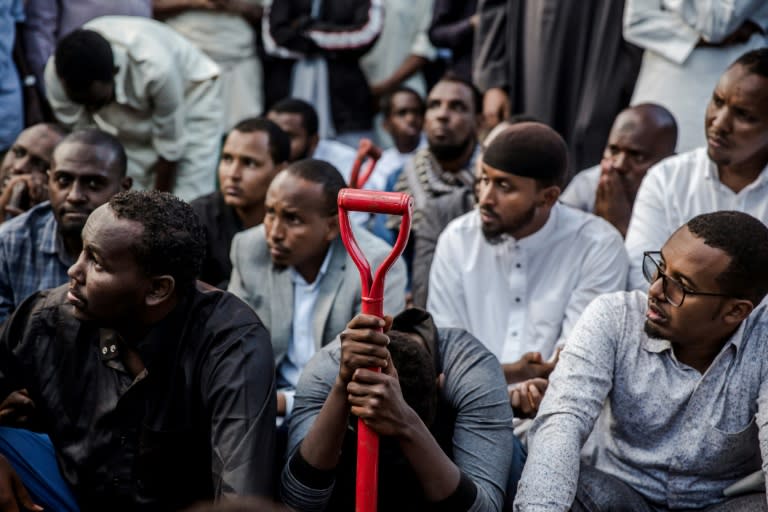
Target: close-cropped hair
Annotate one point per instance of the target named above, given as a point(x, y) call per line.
point(756, 61)
point(82, 57)
point(279, 141)
point(320, 171)
point(101, 139)
point(309, 120)
point(477, 96)
point(386, 102)
point(172, 241)
point(745, 239)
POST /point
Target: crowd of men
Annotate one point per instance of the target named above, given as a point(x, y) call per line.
point(578, 321)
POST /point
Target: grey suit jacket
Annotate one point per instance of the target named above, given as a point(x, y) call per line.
point(269, 290)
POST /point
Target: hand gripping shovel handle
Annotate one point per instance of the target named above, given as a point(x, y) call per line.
point(366, 149)
point(393, 203)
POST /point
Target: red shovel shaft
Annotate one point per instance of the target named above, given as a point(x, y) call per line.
point(394, 203)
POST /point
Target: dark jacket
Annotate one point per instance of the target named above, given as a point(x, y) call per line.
point(343, 32)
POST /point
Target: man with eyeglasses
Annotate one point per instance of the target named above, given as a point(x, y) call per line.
point(730, 173)
point(679, 376)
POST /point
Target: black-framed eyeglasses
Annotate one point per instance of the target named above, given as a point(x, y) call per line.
point(674, 290)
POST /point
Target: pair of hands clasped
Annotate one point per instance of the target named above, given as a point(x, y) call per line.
point(374, 397)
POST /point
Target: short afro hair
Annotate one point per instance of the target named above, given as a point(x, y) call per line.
point(83, 57)
point(279, 141)
point(172, 241)
point(745, 240)
point(320, 171)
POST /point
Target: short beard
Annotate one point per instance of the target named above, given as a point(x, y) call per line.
point(450, 152)
point(497, 235)
point(651, 331)
point(71, 230)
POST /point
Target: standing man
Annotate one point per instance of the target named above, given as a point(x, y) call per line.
point(155, 91)
point(678, 375)
point(295, 271)
point(254, 152)
point(156, 391)
point(518, 271)
point(37, 247)
point(730, 173)
point(641, 136)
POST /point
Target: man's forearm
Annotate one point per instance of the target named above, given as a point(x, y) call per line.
point(438, 475)
point(322, 445)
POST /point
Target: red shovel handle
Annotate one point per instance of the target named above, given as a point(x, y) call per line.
point(370, 201)
point(367, 149)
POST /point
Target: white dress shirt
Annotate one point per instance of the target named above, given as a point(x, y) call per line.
point(581, 192)
point(524, 295)
point(673, 192)
point(301, 348)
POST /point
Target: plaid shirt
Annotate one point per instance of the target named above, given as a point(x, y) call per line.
point(32, 257)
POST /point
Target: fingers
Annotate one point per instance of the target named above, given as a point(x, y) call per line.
point(363, 321)
point(532, 357)
point(22, 495)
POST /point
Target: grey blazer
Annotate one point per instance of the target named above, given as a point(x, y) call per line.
point(269, 291)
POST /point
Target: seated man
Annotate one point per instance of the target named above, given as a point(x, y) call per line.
point(640, 137)
point(439, 405)
point(37, 247)
point(153, 89)
point(403, 119)
point(295, 271)
point(254, 152)
point(299, 120)
point(730, 173)
point(26, 165)
point(679, 375)
point(156, 391)
point(518, 271)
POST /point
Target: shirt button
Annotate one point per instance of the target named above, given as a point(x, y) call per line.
point(518, 265)
point(112, 348)
point(517, 299)
point(514, 333)
point(104, 351)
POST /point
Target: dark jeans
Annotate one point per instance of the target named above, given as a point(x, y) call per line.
point(600, 492)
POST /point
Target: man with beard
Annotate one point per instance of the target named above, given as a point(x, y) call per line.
point(296, 274)
point(518, 271)
point(730, 173)
point(678, 374)
point(446, 164)
point(37, 247)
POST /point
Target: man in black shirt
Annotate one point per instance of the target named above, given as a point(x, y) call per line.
point(156, 390)
point(254, 152)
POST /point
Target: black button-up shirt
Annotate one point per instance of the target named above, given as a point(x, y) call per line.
point(221, 224)
point(197, 423)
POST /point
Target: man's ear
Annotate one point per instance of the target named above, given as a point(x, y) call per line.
point(161, 290)
point(737, 310)
point(548, 195)
point(127, 183)
point(333, 228)
point(313, 141)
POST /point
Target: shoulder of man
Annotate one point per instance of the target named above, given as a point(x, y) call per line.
point(27, 222)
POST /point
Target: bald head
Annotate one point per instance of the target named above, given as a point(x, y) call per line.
point(640, 137)
point(32, 151)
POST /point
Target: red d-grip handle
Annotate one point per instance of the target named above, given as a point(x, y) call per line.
point(365, 149)
point(394, 203)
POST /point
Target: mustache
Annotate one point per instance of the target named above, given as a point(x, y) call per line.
point(489, 211)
